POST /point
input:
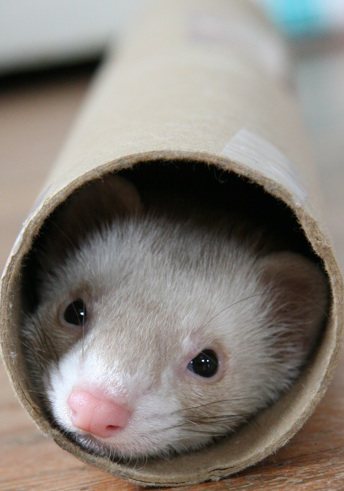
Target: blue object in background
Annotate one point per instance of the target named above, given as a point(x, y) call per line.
point(307, 17)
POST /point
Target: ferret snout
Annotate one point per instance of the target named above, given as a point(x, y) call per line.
point(97, 413)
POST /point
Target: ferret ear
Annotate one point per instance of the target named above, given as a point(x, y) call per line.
point(123, 192)
point(297, 294)
point(102, 200)
point(91, 208)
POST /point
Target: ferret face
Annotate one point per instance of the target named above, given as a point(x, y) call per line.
point(154, 337)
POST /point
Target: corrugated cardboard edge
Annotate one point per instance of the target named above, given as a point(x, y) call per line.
point(9, 319)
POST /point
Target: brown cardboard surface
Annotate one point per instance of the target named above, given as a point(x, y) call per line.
point(183, 89)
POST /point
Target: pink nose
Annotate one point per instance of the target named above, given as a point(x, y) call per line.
point(97, 414)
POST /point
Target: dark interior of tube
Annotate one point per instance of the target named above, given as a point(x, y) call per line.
point(209, 185)
point(201, 183)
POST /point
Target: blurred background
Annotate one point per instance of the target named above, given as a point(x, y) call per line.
point(43, 33)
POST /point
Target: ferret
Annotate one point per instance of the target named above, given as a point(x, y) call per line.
point(158, 332)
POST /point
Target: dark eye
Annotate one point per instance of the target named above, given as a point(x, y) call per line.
point(76, 313)
point(205, 364)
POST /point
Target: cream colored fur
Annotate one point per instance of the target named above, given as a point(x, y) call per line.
point(158, 291)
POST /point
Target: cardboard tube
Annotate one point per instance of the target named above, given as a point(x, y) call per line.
point(202, 81)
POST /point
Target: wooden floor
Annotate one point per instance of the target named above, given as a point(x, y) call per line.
point(35, 115)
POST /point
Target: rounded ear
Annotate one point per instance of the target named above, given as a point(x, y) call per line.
point(98, 202)
point(90, 208)
point(123, 191)
point(298, 292)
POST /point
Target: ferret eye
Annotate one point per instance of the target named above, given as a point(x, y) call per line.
point(205, 364)
point(76, 313)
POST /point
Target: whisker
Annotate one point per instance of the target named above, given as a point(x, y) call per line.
point(232, 305)
point(207, 404)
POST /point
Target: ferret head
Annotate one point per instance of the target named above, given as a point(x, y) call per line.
point(155, 335)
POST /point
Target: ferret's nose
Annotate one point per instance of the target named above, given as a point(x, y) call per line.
point(97, 414)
